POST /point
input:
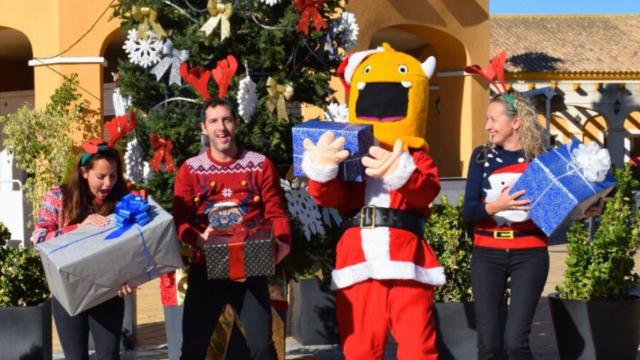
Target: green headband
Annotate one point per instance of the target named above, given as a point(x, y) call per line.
point(511, 102)
point(85, 157)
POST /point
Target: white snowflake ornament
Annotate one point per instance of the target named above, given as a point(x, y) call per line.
point(247, 98)
point(344, 30)
point(337, 113)
point(302, 207)
point(134, 164)
point(270, 2)
point(143, 52)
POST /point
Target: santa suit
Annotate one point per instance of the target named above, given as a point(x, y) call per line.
point(384, 276)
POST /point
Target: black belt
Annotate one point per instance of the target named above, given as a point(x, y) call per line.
point(508, 234)
point(372, 217)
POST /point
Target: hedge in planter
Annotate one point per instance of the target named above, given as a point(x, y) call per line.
point(593, 313)
point(449, 234)
point(25, 311)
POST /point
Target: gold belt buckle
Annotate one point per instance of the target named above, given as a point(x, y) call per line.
point(363, 217)
point(503, 234)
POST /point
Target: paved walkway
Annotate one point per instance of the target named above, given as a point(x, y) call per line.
point(151, 340)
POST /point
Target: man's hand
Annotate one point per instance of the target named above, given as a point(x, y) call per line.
point(203, 237)
point(381, 162)
point(595, 209)
point(328, 151)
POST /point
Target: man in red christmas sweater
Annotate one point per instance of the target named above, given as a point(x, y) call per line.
point(223, 186)
point(385, 272)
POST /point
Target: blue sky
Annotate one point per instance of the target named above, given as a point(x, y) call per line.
point(564, 6)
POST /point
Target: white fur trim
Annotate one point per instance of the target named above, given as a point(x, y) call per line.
point(376, 193)
point(375, 243)
point(403, 172)
point(355, 59)
point(318, 173)
point(383, 270)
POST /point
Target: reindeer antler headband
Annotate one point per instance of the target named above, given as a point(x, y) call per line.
point(494, 76)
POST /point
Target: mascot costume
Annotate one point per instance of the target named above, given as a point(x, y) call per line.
point(385, 272)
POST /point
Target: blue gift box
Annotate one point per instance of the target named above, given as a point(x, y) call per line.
point(358, 140)
point(556, 189)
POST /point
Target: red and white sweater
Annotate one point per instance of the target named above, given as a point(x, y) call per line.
point(241, 190)
point(383, 252)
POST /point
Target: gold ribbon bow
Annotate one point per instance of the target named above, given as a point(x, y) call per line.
point(148, 18)
point(220, 13)
point(278, 94)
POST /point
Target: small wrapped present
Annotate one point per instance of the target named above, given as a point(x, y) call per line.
point(358, 140)
point(564, 182)
point(87, 266)
point(241, 252)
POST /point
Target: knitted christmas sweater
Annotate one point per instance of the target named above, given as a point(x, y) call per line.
point(244, 189)
point(490, 172)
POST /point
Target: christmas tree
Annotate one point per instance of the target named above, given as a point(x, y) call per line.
point(270, 57)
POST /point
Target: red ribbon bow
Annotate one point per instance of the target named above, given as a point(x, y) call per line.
point(495, 69)
point(163, 149)
point(223, 73)
point(120, 126)
point(93, 146)
point(197, 77)
point(308, 10)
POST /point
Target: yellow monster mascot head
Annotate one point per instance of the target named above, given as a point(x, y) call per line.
point(389, 90)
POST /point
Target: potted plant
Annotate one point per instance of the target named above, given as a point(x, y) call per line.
point(450, 236)
point(594, 314)
point(25, 309)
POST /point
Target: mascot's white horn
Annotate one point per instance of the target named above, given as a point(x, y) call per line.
point(429, 66)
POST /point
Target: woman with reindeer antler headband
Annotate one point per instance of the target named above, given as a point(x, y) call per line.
point(91, 193)
point(507, 244)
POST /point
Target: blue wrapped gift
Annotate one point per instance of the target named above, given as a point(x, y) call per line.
point(358, 140)
point(557, 189)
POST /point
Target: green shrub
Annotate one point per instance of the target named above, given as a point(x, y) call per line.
point(450, 236)
point(5, 235)
point(22, 278)
point(602, 268)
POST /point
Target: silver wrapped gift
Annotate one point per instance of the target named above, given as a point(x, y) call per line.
point(240, 252)
point(84, 269)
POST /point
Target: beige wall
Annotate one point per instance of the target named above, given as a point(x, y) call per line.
point(51, 26)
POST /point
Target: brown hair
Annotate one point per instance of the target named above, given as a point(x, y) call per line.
point(77, 197)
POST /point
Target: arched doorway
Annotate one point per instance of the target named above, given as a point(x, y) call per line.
point(112, 51)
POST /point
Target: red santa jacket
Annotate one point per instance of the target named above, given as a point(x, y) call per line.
point(382, 252)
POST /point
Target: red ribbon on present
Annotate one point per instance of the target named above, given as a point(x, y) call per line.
point(235, 246)
point(163, 149)
point(308, 10)
point(120, 126)
point(197, 77)
point(223, 73)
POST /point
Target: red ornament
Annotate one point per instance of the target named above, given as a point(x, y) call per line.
point(223, 73)
point(197, 77)
point(120, 126)
point(308, 10)
point(162, 152)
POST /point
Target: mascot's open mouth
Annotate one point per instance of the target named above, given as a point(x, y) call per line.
point(383, 102)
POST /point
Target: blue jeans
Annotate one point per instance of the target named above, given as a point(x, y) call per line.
point(504, 334)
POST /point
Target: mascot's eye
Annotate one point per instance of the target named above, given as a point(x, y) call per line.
point(367, 69)
point(403, 69)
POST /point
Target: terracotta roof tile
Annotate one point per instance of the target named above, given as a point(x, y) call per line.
point(568, 43)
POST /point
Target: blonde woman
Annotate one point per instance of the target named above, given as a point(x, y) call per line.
point(506, 243)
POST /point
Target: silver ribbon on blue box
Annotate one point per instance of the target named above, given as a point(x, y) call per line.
point(563, 183)
point(358, 140)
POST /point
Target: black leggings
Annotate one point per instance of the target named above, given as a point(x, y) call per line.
point(502, 334)
point(105, 323)
point(204, 301)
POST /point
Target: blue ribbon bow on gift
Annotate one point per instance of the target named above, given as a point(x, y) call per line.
point(130, 210)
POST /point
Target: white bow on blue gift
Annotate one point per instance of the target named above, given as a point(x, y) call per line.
point(592, 161)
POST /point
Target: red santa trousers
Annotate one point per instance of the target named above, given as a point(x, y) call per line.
point(367, 309)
